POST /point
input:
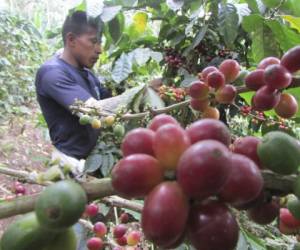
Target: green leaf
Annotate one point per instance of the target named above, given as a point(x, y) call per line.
point(104, 165)
point(291, 7)
point(254, 243)
point(286, 37)
point(200, 35)
point(296, 93)
point(294, 21)
point(108, 163)
point(122, 68)
point(248, 96)
point(250, 22)
point(228, 20)
point(256, 6)
point(80, 7)
point(110, 12)
point(116, 27)
point(264, 42)
point(177, 39)
point(92, 163)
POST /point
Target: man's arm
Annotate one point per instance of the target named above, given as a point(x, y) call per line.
point(58, 85)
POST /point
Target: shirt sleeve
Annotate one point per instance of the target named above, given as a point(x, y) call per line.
point(58, 85)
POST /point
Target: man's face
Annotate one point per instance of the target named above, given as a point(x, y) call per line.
point(87, 48)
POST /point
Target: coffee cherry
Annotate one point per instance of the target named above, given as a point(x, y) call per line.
point(94, 243)
point(100, 229)
point(124, 218)
point(119, 230)
point(133, 238)
point(91, 210)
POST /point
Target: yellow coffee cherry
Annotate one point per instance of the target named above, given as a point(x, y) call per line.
point(109, 120)
point(96, 123)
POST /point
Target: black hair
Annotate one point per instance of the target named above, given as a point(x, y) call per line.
point(78, 23)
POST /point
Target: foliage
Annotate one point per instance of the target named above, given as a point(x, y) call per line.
point(138, 35)
point(22, 50)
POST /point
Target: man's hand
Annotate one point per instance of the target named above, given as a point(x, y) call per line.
point(155, 84)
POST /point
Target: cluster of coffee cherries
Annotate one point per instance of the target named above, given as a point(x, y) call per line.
point(171, 94)
point(214, 82)
point(124, 237)
point(188, 178)
point(173, 58)
point(17, 189)
point(270, 78)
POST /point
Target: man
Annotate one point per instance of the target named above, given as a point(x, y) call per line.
point(66, 78)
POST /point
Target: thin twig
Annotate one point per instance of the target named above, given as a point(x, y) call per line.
point(23, 175)
point(116, 201)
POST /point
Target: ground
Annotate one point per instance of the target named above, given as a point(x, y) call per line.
point(23, 146)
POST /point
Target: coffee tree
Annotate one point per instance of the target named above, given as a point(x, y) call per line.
point(208, 147)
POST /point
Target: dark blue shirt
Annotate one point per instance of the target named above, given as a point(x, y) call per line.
point(58, 85)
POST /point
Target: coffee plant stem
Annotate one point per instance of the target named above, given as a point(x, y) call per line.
point(123, 203)
point(102, 188)
point(94, 190)
point(86, 110)
point(23, 175)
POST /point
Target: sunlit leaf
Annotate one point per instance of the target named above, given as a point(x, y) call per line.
point(109, 13)
point(140, 21)
point(175, 4)
point(294, 21)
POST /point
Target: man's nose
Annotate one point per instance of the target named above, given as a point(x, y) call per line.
point(98, 48)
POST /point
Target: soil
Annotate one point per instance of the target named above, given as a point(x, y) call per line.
point(23, 146)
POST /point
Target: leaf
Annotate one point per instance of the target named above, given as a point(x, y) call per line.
point(263, 41)
point(248, 96)
point(175, 4)
point(228, 20)
point(79, 7)
point(253, 241)
point(115, 27)
point(104, 165)
point(123, 100)
point(156, 56)
point(140, 21)
point(177, 39)
point(94, 8)
point(294, 21)
point(92, 163)
point(291, 7)
point(108, 163)
point(141, 55)
point(256, 6)
point(129, 3)
point(188, 79)
point(136, 101)
point(242, 10)
point(200, 35)
point(122, 68)
point(153, 99)
point(110, 12)
point(286, 37)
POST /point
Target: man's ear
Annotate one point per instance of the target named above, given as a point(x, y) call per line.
point(70, 39)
